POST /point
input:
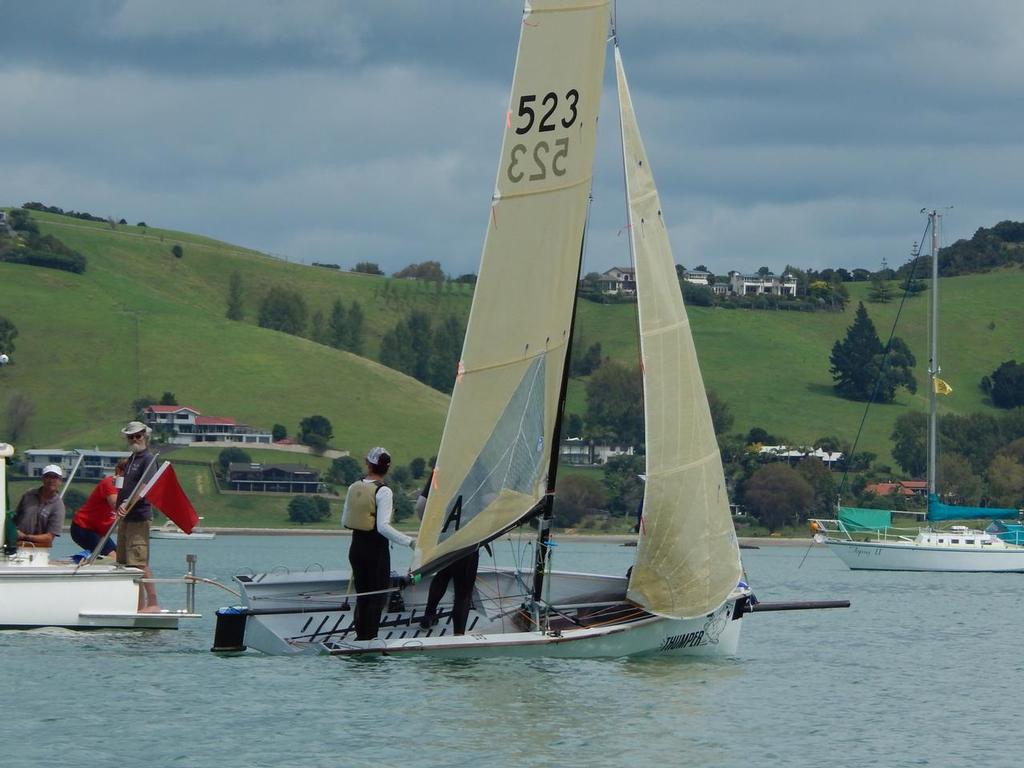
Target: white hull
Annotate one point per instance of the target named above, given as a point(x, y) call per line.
point(910, 556)
point(157, 533)
point(297, 614)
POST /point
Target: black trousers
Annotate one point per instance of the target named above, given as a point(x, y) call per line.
point(462, 573)
point(370, 558)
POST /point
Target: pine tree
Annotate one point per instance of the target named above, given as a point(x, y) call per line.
point(447, 348)
point(354, 329)
point(853, 359)
point(337, 326)
point(235, 309)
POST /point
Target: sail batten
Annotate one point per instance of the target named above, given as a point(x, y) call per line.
point(687, 560)
point(499, 435)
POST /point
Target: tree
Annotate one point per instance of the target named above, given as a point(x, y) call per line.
point(304, 509)
point(777, 495)
point(584, 363)
point(317, 328)
point(577, 497)
point(880, 292)
point(957, 480)
point(621, 478)
point(168, 398)
point(233, 456)
point(315, 431)
point(860, 368)
point(278, 432)
point(20, 409)
point(283, 310)
point(615, 405)
point(1007, 385)
point(446, 351)
point(1006, 481)
point(721, 416)
point(407, 346)
point(428, 270)
point(337, 331)
point(367, 268)
point(344, 471)
point(354, 330)
point(142, 403)
point(417, 467)
point(823, 487)
point(910, 443)
point(177, 251)
point(572, 426)
point(235, 308)
point(8, 332)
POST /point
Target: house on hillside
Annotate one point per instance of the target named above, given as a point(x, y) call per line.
point(580, 452)
point(186, 425)
point(273, 478)
point(905, 488)
point(95, 464)
point(794, 455)
point(753, 285)
point(618, 280)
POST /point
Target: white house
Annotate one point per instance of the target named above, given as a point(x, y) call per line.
point(793, 455)
point(186, 425)
point(95, 463)
point(576, 450)
point(752, 285)
point(618, 280)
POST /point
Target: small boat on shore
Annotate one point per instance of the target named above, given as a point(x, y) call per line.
point(170, 530)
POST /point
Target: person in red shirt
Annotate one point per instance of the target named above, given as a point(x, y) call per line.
point(96, 516)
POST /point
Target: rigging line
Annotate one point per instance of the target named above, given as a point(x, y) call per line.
point(885, 358)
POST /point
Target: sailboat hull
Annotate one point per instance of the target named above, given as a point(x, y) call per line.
point(94, 597)
point(910, 556)
point(286, 614)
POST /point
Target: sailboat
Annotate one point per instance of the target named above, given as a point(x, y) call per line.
point(40, 592)
point(958, 548)
point(496, 465)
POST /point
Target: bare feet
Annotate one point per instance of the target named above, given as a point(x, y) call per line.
point(150, 609)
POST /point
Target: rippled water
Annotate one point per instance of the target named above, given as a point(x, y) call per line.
point(923, 670)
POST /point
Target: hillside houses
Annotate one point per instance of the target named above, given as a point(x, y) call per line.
point(184, 425)
point(622, 281)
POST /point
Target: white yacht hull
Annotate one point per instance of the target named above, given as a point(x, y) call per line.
point(287, 614)
point(157, 533)
point(910, 556)
point(39, 594)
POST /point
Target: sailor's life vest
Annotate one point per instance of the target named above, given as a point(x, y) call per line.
point(360, 510)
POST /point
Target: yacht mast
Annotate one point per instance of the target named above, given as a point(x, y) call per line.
point(935, 219)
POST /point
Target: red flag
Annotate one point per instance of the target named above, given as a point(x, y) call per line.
point(164, 492)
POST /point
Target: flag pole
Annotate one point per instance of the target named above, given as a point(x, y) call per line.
point(132, 501)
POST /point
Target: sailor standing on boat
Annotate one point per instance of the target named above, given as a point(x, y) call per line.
point(133, 525)
point(367, 513)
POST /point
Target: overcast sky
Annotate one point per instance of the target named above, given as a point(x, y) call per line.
point(779, 131)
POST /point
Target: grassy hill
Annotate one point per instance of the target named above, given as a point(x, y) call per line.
point(141, 321)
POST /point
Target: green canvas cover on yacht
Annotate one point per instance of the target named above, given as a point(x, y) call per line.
point(939, 511)
point(860, 519)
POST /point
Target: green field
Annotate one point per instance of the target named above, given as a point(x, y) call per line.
point(141, 322)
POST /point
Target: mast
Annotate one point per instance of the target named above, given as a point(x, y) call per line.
point(935, 220)
point(548, 513)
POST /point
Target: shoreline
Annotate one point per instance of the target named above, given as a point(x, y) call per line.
point(603, 538)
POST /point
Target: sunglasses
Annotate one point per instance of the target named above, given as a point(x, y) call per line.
point(137, 436)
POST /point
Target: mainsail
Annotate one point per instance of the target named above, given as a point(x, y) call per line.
point(499, 434)
point(688, 559)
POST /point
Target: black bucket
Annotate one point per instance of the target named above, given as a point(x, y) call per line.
point(229, 634)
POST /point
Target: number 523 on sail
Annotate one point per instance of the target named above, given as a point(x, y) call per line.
point(535, 161)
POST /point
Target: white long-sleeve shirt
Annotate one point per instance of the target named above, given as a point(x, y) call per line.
point(385, 506)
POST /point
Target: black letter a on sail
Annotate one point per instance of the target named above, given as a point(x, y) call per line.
point(454, 514)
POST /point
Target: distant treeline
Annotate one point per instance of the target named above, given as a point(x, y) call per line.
point(27, 246)
point(989, 249)
point(54, 209)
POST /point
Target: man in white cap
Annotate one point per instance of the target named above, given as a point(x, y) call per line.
point(40, 513)
point(133, 528)
point(367, 513)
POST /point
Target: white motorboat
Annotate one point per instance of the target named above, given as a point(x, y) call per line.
point(498, 458)
point(864, 539)
point(39, 592)
point(171, 530)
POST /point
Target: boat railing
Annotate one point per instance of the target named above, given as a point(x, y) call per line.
point(832, 528)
